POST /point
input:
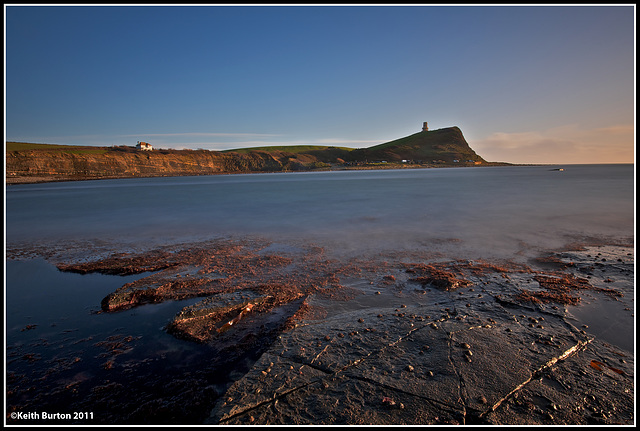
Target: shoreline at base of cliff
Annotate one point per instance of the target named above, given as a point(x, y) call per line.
point(39, 179)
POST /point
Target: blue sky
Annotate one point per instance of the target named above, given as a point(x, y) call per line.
point(526, 84)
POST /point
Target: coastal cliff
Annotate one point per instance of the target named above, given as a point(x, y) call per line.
point(29, 163)
point(38, 165)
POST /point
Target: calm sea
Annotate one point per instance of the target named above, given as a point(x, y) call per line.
point(483, 212)
point(487, 210)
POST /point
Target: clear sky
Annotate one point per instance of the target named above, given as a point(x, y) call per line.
point(525, 84)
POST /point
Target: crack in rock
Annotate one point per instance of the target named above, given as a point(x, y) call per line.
point(466, 364)
point(571, 351)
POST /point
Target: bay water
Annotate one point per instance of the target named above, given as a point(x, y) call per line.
point(514, 212)
point(489, 211)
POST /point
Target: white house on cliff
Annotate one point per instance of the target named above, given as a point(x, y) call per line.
point(144, 146)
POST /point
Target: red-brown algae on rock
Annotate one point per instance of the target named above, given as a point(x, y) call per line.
point(308, 283)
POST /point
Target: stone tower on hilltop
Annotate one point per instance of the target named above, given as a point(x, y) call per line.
point(425, 128)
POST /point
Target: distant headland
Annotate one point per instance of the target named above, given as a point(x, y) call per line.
point(31, 163)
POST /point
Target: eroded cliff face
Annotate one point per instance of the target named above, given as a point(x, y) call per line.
point(39, 165)
point(442, 147)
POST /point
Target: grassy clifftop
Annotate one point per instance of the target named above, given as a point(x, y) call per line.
point(442, 145)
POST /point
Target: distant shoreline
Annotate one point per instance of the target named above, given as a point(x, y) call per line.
point(38, 163)
point(40, 179)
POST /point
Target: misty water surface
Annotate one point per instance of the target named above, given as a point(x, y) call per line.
point(489, 211)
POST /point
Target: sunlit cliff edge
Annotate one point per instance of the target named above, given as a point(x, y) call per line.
point(30, 163)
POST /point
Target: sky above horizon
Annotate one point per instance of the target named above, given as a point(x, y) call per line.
point(525, 84)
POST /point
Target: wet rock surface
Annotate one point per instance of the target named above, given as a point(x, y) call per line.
point(311, 339)
point(494, 357)
point(424, 369)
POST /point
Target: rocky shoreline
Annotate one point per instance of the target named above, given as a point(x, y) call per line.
point(416, 339)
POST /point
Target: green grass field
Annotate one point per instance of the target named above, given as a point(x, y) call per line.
point(288, 149)
point(25, 146)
